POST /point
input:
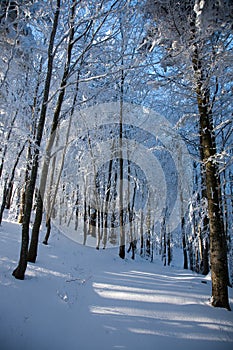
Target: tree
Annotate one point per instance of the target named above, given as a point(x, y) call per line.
point(194, 37)
point(22, 265)
point(32, 253)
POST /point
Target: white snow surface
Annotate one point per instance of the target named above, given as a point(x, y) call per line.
point(77, 297)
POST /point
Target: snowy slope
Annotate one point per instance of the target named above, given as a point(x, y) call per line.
point(76, 297)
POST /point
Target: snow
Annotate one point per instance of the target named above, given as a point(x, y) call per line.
point(77, 297)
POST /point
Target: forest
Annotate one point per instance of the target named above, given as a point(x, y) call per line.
point(116, 128)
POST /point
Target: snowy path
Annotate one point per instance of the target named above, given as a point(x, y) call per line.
point(75, 297)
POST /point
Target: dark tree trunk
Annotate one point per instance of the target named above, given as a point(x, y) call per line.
point(48, 226)
point(9, 194)
point(141, 234)
point(85, 219)
point(191, 256)
point(164, 248)
point(184, 243)
point(169, 252)
point(77, 203)
point(22, 265)
point(205, 268)
point(218, 251)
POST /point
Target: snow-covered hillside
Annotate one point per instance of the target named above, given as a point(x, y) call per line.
point(76, 297)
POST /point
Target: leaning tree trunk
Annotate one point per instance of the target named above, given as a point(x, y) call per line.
point(19, 272)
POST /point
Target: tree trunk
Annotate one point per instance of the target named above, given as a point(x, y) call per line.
point(21, 268)
point(50, 202)
point(218, 251)
point(77, 203)
point(205, 268)
point(121, 213)
point(8, 185)
point(121, 189)
point(85, 219)
point(164, 256)
point(141, 234)
point(32, 252)
point(22, 265)
point(44, 174)
point(106, 203)
point(169, 251)
point(48, 226)
point(205, 222)
point(22, 204)
point(121, 194)
point(184, 243)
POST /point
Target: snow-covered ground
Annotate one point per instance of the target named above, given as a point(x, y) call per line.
point(76, 297)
